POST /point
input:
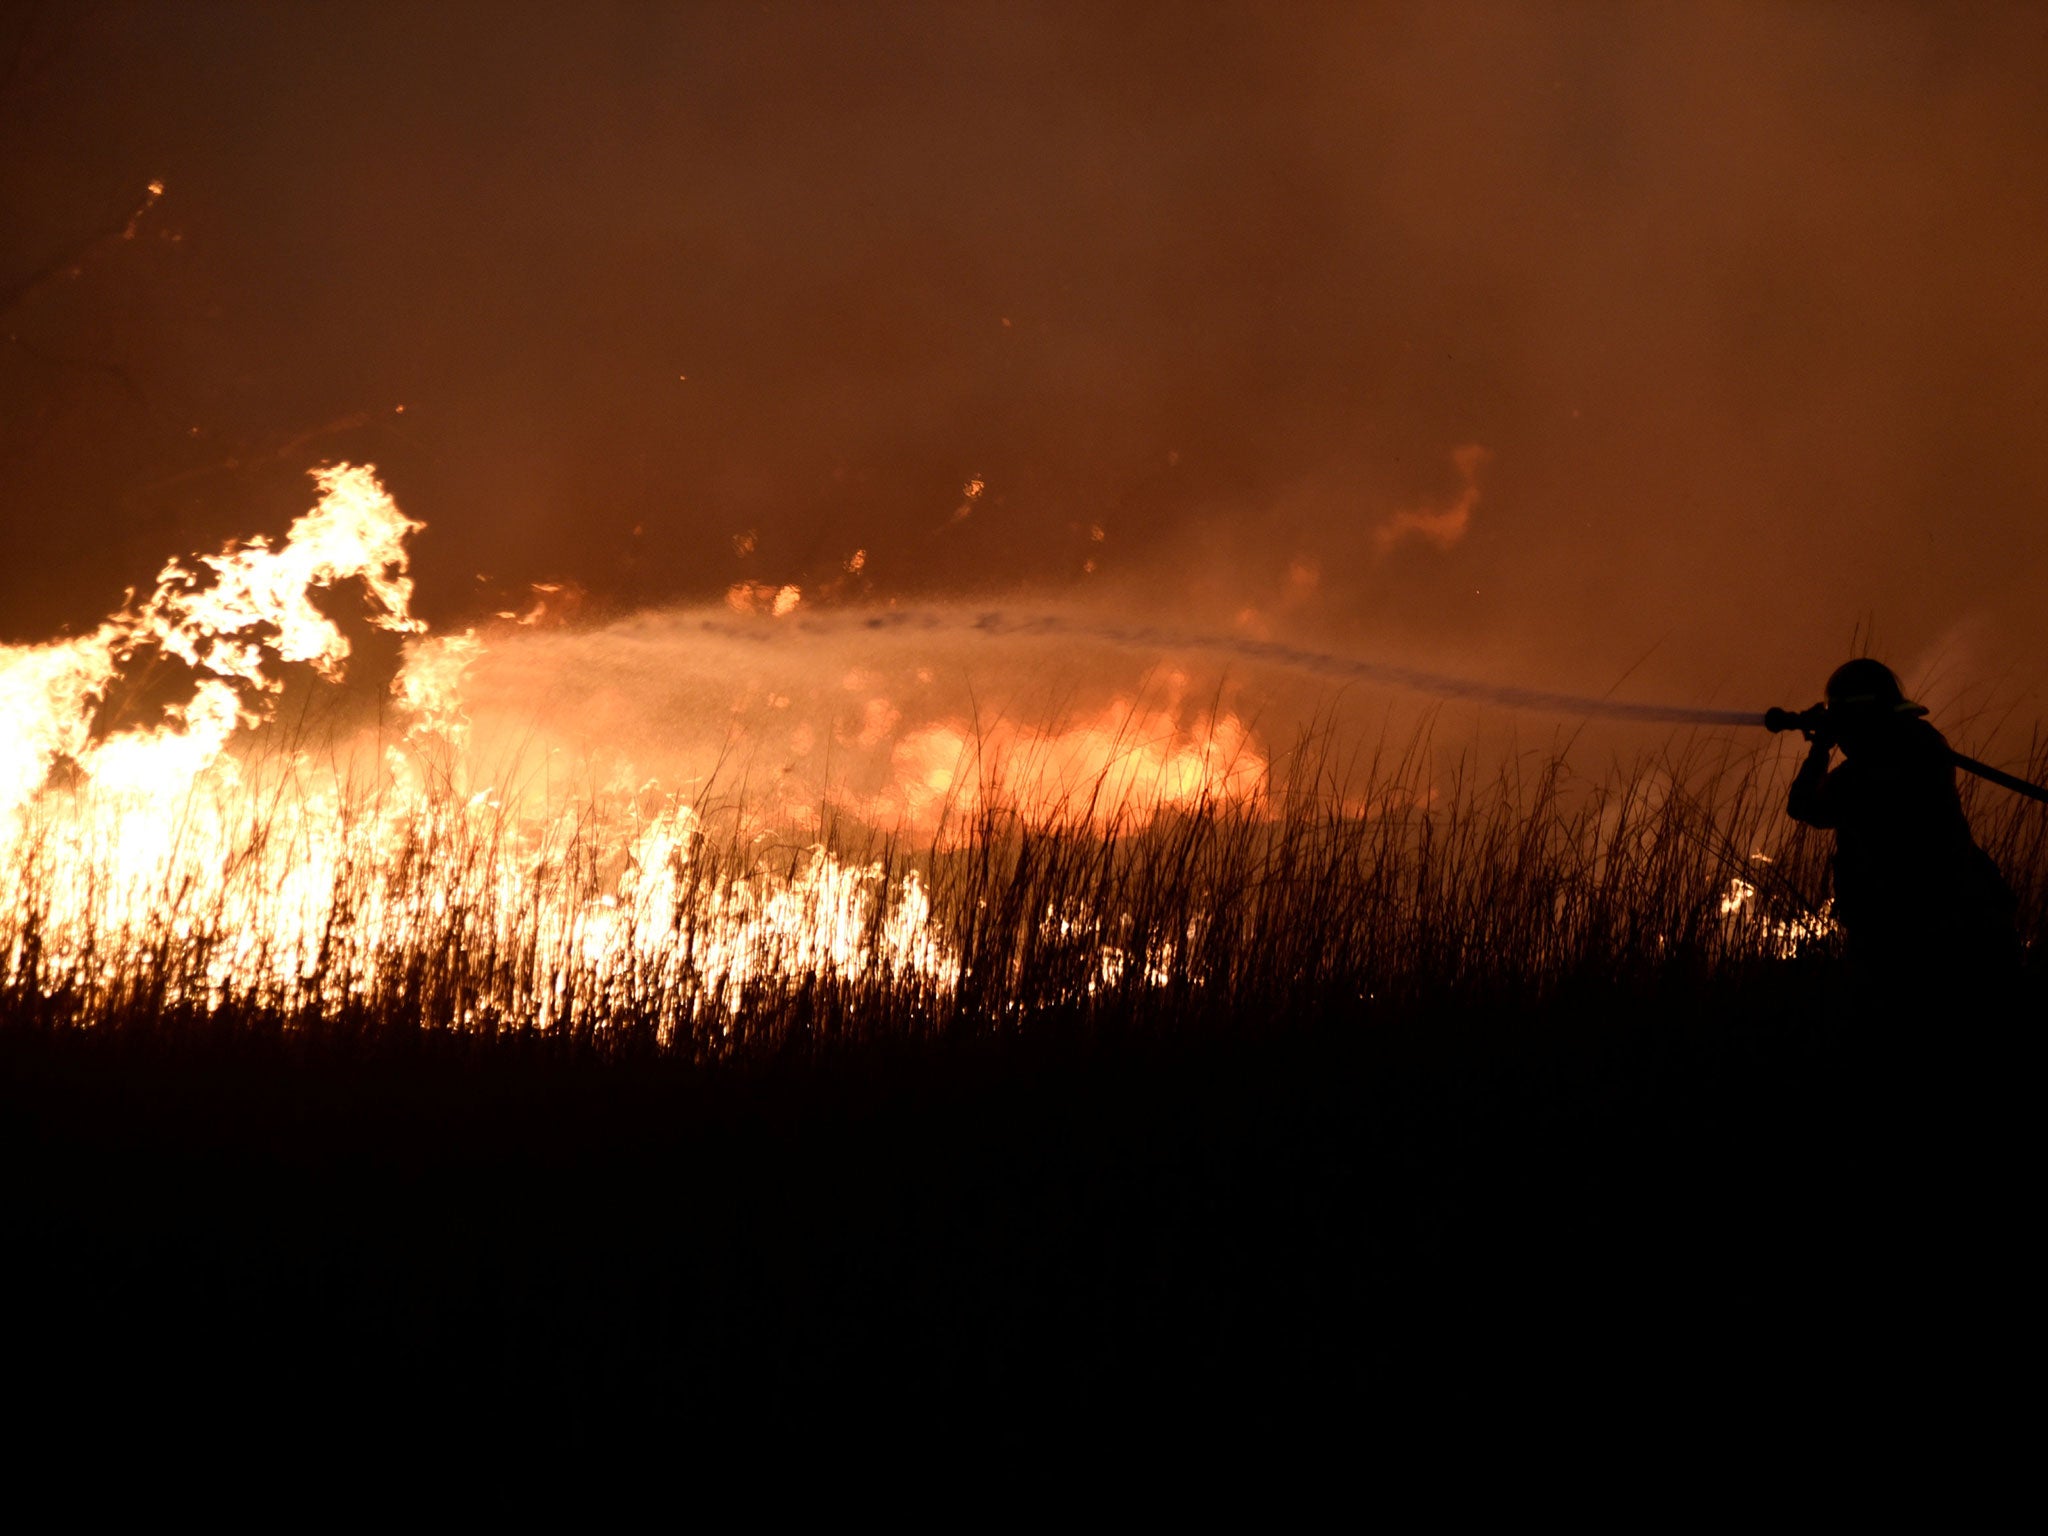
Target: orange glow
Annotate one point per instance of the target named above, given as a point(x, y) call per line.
point(1125, 766)
point(309, 875)
point(302, 877)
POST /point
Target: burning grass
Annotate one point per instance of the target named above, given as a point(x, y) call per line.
point(321, 1031)
point(1135, 868)
point(279, 893)
point(1196, 1120)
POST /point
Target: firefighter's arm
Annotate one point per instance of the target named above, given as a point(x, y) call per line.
point(1811, 801)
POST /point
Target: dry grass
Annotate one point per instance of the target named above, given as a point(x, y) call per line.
point(1176, 1165)
point(1394, 882)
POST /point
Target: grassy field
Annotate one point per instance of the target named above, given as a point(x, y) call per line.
point(284, 894)
point(1384, 1097)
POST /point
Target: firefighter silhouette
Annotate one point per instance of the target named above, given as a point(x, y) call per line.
point(1916, 896)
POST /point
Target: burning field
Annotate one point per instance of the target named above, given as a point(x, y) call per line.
point(724, 1021)
point(732, 1008)
point(1008, 727)
point(723, 831)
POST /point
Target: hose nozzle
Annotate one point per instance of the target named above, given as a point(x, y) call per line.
point(1808, 722)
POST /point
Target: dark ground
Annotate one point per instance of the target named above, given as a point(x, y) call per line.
point(1759, 1211)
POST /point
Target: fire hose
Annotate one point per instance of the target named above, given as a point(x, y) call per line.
point(1066, 625)
point(1814, 721)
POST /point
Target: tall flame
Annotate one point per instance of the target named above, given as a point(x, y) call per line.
point(199, 860)
point(255, 608)
point(209, 862)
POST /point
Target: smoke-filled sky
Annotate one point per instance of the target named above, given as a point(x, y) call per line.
point(1530, 340)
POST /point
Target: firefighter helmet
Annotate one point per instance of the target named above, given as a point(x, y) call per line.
point(1868, 688)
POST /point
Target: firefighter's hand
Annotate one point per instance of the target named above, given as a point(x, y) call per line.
point(1814, 724)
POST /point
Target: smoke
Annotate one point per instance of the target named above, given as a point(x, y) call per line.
point(1742, 301)
point(1440, 526)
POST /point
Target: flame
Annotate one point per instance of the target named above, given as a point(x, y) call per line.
point(762, 597)
point(211, 862)
point(222, 862)
point(1781, 933)
point(254, 607)
point(207, 858)
point(1125, 766)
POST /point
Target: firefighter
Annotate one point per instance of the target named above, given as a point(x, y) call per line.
point(1915, 895)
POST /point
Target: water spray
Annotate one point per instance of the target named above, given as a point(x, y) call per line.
point(1059, 626)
